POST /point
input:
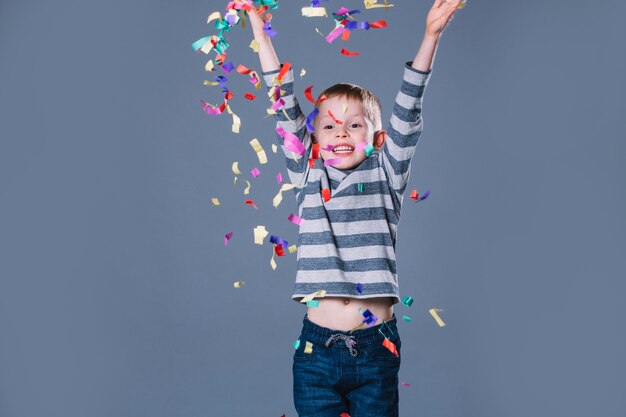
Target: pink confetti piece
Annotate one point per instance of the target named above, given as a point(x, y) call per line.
point(406, 384)
point(291, 141)
point(295, 219)
point(279, 178)
point(331, 162)
point(227, 238)
point(334, 34)
point(255, 172)
point(278, 104)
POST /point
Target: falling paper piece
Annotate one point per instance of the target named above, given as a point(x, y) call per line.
point(314, 12)
point(415, 196)
point(407, 301)
point(278, 249)
point(246, 191)
point(349, 53)
point(215, 201)
point(302, 73)
point(274, 148)
point(238, 284)
point(359, 288)
point(391, 346)
point(255, 172)
point(227, 238)
point(259, 234)
point(296, 344)
point(433, 312)
point(249, 96)
point(251, 203)
point(213, 16)
point(256, 145)
point(295, 219)
point(407, 319)
point(308, 94)
point(235, 168)
point(308, 348)
point(313, 303)
point(278, 240)
point(406, 384)
point(320, 293)
point(254, 45)
point(279, 197)
point(292, 249)
point(279, 178)
point(273, 262)
point(371, 4)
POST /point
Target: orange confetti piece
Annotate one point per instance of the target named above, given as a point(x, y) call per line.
point(414, 195)
point(345, 35)
point(243, 70)
point(339, 122)
point(391, 346)
point(311, 162)
point(326, 194)
point(308, 94)
point(349, 53)
point(249, 96)
point(283, 71)
point(229, 95)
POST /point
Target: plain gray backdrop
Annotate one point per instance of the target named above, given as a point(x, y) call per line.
point(116, 290)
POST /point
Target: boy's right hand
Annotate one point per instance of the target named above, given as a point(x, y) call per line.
point(258, 21)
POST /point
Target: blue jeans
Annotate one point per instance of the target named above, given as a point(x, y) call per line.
point(346, 372)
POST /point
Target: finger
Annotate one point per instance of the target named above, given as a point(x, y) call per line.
point(437, 4)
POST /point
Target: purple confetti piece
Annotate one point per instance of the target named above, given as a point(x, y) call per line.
point(309, 120)
point(370, 318)
point(295, 219)
point(279, 178)
point(227, 238)
point(228, 67)
point(331, 162)
point(359, 288)
point(255, 172)
point(267, 28)
point(426, 194)
point(278, 240)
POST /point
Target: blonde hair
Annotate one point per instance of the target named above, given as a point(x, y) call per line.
point(371, 104)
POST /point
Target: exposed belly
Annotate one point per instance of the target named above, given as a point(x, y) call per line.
point(342, 313)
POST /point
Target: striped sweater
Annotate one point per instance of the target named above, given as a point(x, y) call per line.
point(351, 238)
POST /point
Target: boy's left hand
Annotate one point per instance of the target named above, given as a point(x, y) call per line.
point(439, 16)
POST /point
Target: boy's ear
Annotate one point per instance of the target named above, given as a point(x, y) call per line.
point(379, 139)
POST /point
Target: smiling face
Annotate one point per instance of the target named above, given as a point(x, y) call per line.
point(339, 133)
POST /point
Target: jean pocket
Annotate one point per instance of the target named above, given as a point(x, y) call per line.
point(379, 351)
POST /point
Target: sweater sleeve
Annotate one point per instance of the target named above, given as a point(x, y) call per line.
point(293, 122)
point(404, 128)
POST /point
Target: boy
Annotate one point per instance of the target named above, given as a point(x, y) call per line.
point(350, 204)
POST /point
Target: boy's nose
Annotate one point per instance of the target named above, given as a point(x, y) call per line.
point(341, 131)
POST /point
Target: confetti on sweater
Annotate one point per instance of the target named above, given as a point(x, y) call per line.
point(255, 172)
point(360, 187)
point(215, 201)
point(235, 168)
point(407, 301)
point(359, 288)
point(227, 238)
point(239, 284)
point(326, 194)
point(259, 234)
point(295, 219)
point(291, 141)
point(256, 145)
point(320, 293)
point(433, 312)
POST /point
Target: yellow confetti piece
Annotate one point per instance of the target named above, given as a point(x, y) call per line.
point(208, 46)
point(371, 4)
point(215, 201)
point(274, 148)
point(256, 145)
point(308, 348)
point(247, 189)
point(293, 249)
point(345, 108)
point(236, 120)
point(213, 16)
point(254, 45)
point(302, 73)
point(320, 33)
point(235, 182)
point(272, 261)
point(235, 168)
point(433, 312)
point(320, 293)
point(270, 112)
point(279, 197)
point(209, 65)
point(314, 12)
point(259, 234)
point(206, 82)
point(239, 284)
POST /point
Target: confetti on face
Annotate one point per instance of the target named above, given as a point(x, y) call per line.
point(433, 312)
point(313, 303)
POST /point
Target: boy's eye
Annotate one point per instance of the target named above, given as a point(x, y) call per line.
point(328, 127)
point(355, 125)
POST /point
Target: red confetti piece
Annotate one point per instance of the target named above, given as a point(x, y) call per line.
point(316, 150)
point(279, 250)
point(243, 70)
point(378, 24)
point(414, 195)
point(326, 194)
point(308, 95)
point(249, 96)
point(339, 122)
point(349, 53)
point(391, 346)
point(311, 162)
point(283, 71)
point(251, 203)
point(322, 98)
point(228, 95)
point(345, 35)
point(344, 415)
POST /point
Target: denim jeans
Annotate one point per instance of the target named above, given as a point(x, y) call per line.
point(346, 372)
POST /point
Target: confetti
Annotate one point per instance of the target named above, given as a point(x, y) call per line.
point(278, 240)
point(359, 288)
point(239, 284)
point(235, 168)
point(256, 145)
point(284, 69)
point(251, 203)
point(325, 194)
point(406, 384)
point(407, 301)
point(255, 172)
point(254, 45)
point(209, 66)
point(274, 148)
point(273, 262)
point(339, 122)
point(227, 238)
point(344, 415)
point(320, 293)
point(349, 53)
point(407, 319)
point(215, 201)
point(302, 73)
point(278, 249)
point(249, 96)
point(314, 12)
point(334, 34)
point(360, 187)
point(369, 149)
point(313, 303)
point(246, 191)
point(369, 318)
point(415, 196)
point(259, 234)
point(279, 178)
point(433, 312)
point(213, 16)
point(309, 95)
point(279, 197)
point(371, 4)
point(332, 162)
point(292, 249)
point(308, 348)
point(296, 344)
point(295, 219)
point(391, 346)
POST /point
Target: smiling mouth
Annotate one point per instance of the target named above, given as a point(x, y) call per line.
point(343, 150)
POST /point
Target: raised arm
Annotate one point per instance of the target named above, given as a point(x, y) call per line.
point(405, 126)
point(267, 55)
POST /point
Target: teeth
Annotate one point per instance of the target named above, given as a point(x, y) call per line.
point(343, 149)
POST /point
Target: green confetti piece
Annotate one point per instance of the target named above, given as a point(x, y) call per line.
point(369, 149)
point(296, 344)
point(407, 301)
point(313, 303)
point(407, 319)
point(360, 187)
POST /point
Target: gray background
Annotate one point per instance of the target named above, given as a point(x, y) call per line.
point(116, 291)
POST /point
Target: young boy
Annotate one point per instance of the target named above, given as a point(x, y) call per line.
point(350, 204)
